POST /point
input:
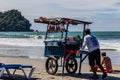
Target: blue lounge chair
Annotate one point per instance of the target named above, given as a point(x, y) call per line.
point(16, 67)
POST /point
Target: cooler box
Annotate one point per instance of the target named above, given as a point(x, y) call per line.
point(54, 48)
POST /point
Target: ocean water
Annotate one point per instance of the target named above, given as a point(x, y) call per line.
point(31, 45)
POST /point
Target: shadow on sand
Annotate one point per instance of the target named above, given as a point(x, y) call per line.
point(17, 77)
point(85, 76)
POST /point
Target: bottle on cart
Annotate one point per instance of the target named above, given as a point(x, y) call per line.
point(79, 40)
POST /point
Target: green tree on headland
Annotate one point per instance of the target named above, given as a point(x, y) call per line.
point(12, 20)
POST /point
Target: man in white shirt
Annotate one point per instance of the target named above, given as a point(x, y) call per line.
point(94, 53)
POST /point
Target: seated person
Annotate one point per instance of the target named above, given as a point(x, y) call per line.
point(106, 61)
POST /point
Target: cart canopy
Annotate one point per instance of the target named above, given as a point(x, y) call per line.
point(56, 21)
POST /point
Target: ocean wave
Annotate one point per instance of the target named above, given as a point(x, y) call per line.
point(110, 44)
point(21, 42)
point(21, 35)
point(34, 36)
point(108, 49)
point(104, 44)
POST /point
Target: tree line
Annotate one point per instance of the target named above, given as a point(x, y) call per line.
point(12, 20)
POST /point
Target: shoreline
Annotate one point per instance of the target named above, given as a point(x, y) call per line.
point(38, 53)
point(41, 74)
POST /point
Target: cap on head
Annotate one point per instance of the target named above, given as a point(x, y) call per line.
point(87, 31)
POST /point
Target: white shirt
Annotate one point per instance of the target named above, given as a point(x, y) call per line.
point(91, 42)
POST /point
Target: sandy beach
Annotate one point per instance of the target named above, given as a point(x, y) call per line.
point(41, 74)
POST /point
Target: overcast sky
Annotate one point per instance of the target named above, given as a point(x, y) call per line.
point(105, 14)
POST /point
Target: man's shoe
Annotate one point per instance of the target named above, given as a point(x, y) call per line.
point(104, 75)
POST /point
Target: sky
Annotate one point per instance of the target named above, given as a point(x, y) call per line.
point(105, 14)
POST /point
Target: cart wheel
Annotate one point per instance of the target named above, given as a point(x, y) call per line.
point(71, 65)
point(51, 66)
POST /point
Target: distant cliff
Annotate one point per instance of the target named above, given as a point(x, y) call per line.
point(12, 20)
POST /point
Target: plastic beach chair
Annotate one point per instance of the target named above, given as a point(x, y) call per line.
point(2, 71)
point(17, 67)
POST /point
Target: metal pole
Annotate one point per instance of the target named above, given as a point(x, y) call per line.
point(81, 53)
point(66, 33)
point(62, 35)
point(46, 32)
point(80, 63)
point(83, 31)
point(65, 46)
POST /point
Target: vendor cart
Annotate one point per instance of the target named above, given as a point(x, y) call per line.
point(63, 48)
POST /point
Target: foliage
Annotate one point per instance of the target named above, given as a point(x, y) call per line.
point(12, 20)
